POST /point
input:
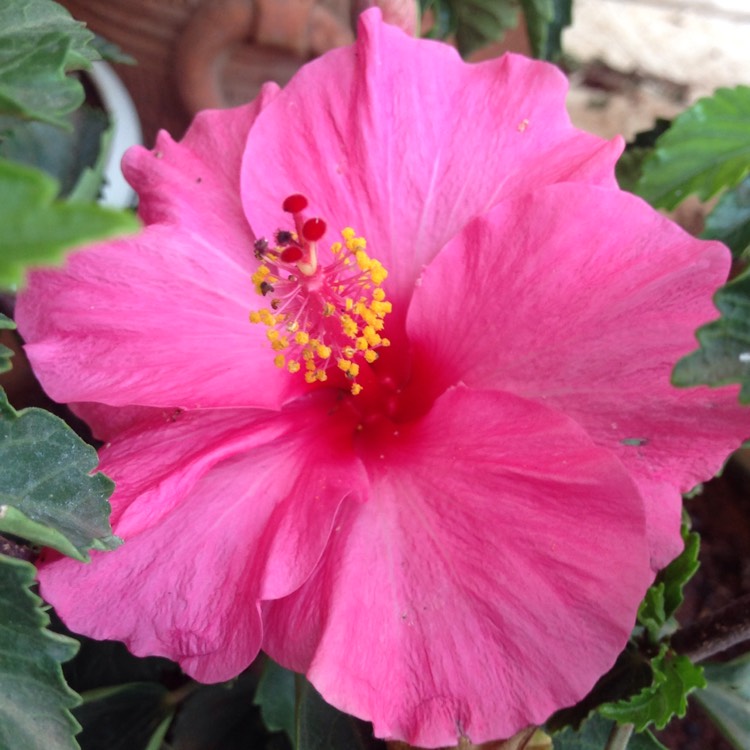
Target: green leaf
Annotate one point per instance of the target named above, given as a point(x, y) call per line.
point(545, 20)
point(666, 594)
point(5, 352)
point(322, 727)
point(593, 735)
point(629, 166)
point(677, 574)
point(223, 716)
point(37, 229)
point(479, 22)
point(72, 157)
point(726, 698)
point(674, 677)
point(276, 698)
point(724, 353)
point(706, 150)
point(729, 222)
point(39, 43)
point(48, 494)
point(34, 710)
point(135, 716)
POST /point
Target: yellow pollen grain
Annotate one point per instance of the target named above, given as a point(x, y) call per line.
point(328, 309)
point(370, 356)
point(310, 377)
point(293, 366)
point(356, 389)
point(344, 364)
point(347, 233)
point(302, 337)
point(362, 344)
point(378, 295)
point(323, 351)
point(353, 370)
point(320, 375)
point(255, 316)
point(279, 360)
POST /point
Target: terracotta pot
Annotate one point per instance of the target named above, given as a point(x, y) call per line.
point(194, 54)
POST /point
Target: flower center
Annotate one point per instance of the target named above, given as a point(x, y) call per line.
point(320, 315)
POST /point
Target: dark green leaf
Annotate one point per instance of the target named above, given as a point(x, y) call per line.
point(443, 21)
point(729, 222)
point(5, 353)
point(479, 22)
point(726, 698)
point(34, 709)
point(629, 167)
point(674, 677)
point(594, 734)
point(69, 156)
point(39, 43)
point(48, 494)
point(724, 353)
point(102, 664)
point(135, 716)
point(545, 20)
point(37, 229)
point(223, 717)
point(539, 15)
point(276, 698)
point(630, 674)
point(322, 727)
point(706, 150)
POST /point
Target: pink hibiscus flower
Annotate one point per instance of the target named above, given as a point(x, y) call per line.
point(446, 519)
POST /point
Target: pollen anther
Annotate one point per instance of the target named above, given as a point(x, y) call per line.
point(322, 315)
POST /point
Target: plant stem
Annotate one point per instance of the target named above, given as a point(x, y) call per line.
point(619, 737)
point(716, 632)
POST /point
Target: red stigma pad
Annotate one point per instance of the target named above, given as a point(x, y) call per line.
point(313, 229)
point(295, 203)
point(291, 254)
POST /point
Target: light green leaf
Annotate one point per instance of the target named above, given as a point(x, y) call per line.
point(726, 698)
point(724, 353)
point(666, 595)
point(39, 43)
point(674, 677)
point(35, 701)
point(5, 352)
point(706, 150)
point(37, 229)
point(729, 222)
point(276, 698)
point(593, 735)
point(479, 22)
point(47, 492)
point(134, 716)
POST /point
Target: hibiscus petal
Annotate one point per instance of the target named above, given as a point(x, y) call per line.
point(491, 578)
point(405, 142)
point(161, 319)
point(586, 298)
point(217, 509)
